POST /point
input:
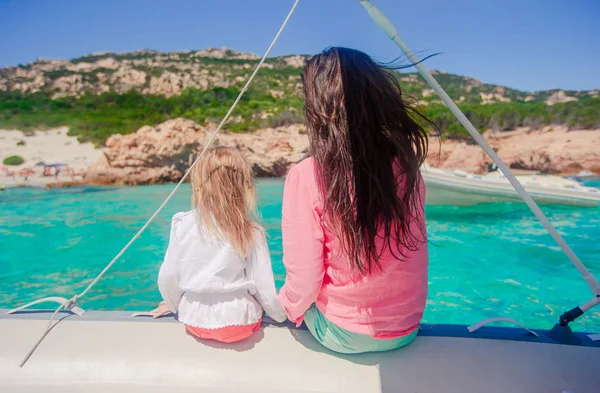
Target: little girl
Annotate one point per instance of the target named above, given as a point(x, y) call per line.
point(217, 271)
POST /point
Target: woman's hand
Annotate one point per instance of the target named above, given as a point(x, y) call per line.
point(161, 310)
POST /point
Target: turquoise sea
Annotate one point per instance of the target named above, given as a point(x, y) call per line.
point(486, 260)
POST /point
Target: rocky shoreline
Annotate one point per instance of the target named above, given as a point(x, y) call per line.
point(161, 154)
point(552, 149)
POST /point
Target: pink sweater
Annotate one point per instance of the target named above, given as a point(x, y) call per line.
point(382, 305)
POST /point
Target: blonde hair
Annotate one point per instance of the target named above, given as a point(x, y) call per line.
point(224, 197)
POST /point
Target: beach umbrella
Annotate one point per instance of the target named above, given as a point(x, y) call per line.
point(54, 165)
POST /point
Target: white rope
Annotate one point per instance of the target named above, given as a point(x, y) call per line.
point(206, 145)
point(384, 23)
point(481, 324)
point(43, 336)
point(162, 205)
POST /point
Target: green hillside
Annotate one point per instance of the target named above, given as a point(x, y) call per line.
point(103, 94)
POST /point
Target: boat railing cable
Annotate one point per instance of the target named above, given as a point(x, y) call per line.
point(71, 303)
point(384, 23)
point(388, 28)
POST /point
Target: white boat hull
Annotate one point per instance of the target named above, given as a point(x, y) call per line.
point(461, 189)
point(109, 352)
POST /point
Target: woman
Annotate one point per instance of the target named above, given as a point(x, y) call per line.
point(354, 236)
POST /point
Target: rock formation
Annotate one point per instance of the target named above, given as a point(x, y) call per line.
point(552, 149)
point(163, 153)
point(559, 97)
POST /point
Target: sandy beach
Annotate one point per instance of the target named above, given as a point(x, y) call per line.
point(51, 147)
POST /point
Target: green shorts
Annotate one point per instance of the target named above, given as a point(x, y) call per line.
point(341, 340)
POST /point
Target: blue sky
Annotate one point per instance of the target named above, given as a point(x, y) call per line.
point(524, 44)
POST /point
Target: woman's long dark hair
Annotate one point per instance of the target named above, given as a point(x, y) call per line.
point(368, 149)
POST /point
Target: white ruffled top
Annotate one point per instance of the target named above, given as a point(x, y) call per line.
point(210, 285)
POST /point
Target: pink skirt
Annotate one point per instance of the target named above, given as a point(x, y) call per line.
point(227, 334)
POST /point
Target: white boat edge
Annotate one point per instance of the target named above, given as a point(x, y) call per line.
point(111, 350)
point(460, 188)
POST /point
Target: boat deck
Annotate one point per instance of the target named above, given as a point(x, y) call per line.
point(110, 351)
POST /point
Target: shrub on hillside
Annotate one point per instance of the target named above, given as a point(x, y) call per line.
point(13, 160)
point(95, 117)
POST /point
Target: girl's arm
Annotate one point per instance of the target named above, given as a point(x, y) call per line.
point(260, 270)
point(303, 247)
point(168, 276)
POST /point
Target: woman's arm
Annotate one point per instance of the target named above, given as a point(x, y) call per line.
point(260, 270)
point(168, 276)
point(303, 244)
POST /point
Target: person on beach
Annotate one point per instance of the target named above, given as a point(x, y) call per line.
point(71, 172)
point(353, 225)
point(217, 273)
